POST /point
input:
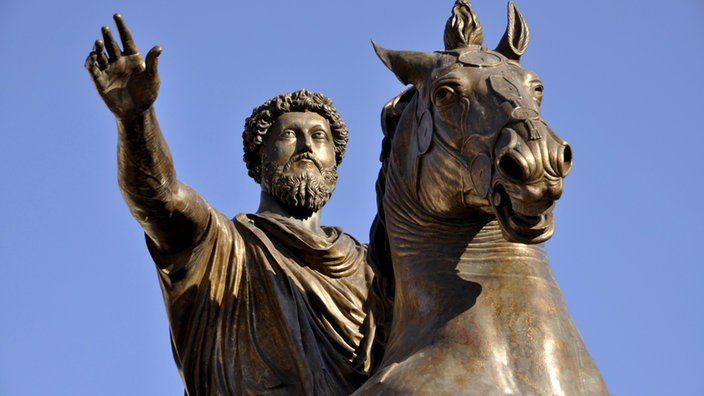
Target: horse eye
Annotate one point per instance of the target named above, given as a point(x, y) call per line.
point(538, 92)
point(444, 96)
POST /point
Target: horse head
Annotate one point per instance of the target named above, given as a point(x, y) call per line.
point(468, 137)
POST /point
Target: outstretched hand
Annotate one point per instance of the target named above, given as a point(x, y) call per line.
point(128, 85)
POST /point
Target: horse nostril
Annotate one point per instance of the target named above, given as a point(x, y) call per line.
point(566, 160)
point(511, 167)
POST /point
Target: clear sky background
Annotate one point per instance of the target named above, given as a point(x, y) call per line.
point(81, 312)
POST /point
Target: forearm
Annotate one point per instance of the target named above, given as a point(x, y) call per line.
point(171, 213)
point(145, 168)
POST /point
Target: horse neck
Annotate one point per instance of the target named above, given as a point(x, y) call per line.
point(439, 264)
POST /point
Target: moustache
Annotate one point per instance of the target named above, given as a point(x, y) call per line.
point(302, 156)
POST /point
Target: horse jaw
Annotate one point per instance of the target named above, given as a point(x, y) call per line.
point(528, 228)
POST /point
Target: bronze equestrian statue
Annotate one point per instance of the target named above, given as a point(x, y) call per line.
point(469, 179)
point(274, 303)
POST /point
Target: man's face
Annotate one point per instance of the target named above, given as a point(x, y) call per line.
point(298, 161)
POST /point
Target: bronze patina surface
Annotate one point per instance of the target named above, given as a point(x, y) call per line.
point(470, 175)
point(461, 300)
point(265, 303)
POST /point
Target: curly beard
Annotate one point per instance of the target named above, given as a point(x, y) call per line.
point(306, 191)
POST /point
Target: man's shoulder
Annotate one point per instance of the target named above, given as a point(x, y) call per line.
point(354, 240)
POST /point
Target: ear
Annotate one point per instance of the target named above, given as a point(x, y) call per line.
point(463, 28)
point(515, 40)
point(410, 67)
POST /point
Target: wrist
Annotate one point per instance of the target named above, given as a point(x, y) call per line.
point(135, 117)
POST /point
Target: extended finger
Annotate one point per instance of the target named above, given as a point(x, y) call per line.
point(153, 60)
point(110, 45)
point(100, 52)
point(93, 69)
point(90, 61)
point(127, 42)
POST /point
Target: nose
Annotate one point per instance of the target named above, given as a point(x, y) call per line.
point(564, 159)
point(305, 143)
point(514, 166)
point(514, 157)
point(524, 160)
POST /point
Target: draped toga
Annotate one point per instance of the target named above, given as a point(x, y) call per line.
point(260, 305)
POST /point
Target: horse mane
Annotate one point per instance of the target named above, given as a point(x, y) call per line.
point(379, 253)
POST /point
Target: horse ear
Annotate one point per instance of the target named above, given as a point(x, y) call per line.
point(463, 28)
point(515, 40)
point(410, 67)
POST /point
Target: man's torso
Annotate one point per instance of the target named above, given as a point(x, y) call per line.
point(261, 306)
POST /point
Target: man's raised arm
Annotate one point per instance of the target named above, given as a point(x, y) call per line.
point(171, 213)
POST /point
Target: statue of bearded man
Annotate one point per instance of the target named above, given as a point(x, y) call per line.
point(265, 303)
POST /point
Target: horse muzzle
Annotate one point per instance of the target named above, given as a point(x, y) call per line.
point(530, 166)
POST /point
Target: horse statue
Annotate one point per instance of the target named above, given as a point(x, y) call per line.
point(470, 175)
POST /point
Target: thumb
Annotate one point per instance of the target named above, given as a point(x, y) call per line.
point(153, 60)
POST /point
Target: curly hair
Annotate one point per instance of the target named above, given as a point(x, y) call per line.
point(264, 116)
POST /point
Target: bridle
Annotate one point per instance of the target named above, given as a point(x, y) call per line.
point(511, 106)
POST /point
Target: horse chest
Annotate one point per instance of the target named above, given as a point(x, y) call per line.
point(515, 337)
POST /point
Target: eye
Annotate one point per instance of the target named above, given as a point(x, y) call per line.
point(287, 134)
point(538, 92)
point(320, 135)
point(444, 96)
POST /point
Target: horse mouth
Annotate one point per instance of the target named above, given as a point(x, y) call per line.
point(521, 227)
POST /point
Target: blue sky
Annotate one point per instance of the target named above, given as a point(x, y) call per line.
point(81, 309)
